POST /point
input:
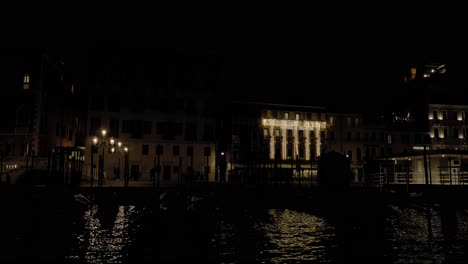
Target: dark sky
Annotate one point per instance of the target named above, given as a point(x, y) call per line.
point(342, 58)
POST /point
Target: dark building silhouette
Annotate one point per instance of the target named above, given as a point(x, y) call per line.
point(41, 106)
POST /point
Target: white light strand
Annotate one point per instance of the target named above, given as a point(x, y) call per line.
point(284, 144)
point(296, 143)
point(272, 143)
point(317, 143)
point(291, 124)
point(294, 125)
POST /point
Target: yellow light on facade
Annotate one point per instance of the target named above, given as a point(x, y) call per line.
point(112, 149)
point(103, 132)
point(119, 144)
point(95, 140)
point(126, 149)
point(295, 126)
point(112, 141)
point(440, 116)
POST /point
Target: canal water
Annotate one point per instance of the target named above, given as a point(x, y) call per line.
point(126, 233)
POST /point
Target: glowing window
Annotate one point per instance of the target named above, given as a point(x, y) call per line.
point(26, 82)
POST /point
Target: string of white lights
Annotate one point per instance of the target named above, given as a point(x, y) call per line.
point(294, 125)
point(291, 124)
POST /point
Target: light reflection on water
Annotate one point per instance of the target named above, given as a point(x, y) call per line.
point(279, 236)
point(412, 235)
point(101, 241)
point(427, 235)
point(297, 237)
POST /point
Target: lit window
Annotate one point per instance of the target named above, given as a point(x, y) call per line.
point(265, 132)
point(389, 139)
point(431, 116)
point(297, 116)
point(413, 73)
point(26, 82)
point(286, 115)
point(332, 120)
point(440, 116)
point(277, 132)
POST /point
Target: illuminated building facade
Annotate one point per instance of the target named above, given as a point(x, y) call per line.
point(293, 137)
point(448, 126)
point(181, 138)
point(446, 155)
point(276, 135)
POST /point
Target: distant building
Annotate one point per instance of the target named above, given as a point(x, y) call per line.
point(165, 114)
point(181, 133)
point(41, 109)
point(445, 160)
point(292, 138)
point(286, 138)
point(424, 71)
point(448, 126)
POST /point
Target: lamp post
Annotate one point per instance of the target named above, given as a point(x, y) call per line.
point(126, 168)
point(106, 144)
point(118, 151)
point(93, 147)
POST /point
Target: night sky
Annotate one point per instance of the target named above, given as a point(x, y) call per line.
point(301, 61)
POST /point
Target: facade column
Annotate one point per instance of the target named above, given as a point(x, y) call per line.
point(317, 143)
point(307, 144)
point(296, 142)
point(284, 143)
point(272, 142)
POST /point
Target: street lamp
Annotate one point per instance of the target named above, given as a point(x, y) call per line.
point(126, 168)
point(93, 146)
point(106, 144)
point(119, 150)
